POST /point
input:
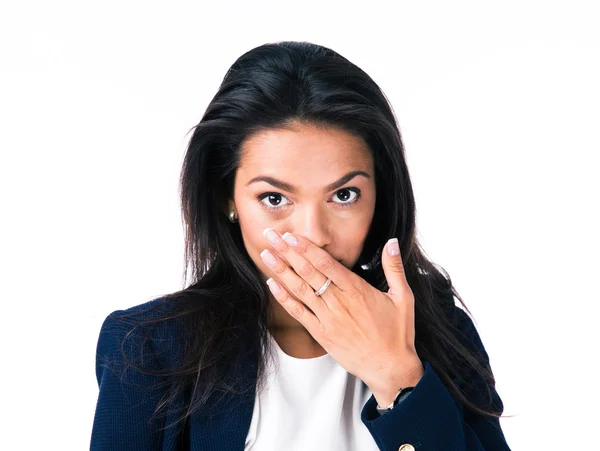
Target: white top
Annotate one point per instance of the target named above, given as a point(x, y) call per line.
point(309, 404)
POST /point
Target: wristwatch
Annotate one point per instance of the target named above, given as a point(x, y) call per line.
point(402, 394)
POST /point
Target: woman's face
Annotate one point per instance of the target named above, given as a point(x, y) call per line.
point(318, 183)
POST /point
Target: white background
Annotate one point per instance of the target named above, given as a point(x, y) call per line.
point(499, 106)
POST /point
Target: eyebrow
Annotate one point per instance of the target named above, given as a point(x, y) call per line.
point(287, 187)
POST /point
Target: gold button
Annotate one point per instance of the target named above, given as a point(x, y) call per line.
point(406, 447)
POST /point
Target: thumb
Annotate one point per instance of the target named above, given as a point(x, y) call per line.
point(393, 267)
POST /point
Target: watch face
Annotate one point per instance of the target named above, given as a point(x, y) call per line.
point(402, 395)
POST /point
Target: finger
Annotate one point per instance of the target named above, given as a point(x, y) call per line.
point(322, 261)
point(296, 309)
point(393, 268)
point(293, 283)
point(304, 268)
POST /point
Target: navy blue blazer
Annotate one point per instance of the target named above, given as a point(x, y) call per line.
point(428, 419)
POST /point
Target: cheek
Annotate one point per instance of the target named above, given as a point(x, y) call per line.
point(253, 238)
point(252, 234)
point(252, 221)
point(352, 238)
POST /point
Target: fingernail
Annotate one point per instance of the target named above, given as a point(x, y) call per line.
point(268, 258)
point(272, 236)
point(290, 239)
point(273, 286)
point(392, 247)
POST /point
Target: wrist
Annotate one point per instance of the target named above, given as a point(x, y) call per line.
point(389, 386)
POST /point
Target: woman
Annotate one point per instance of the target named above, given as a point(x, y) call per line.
point(314, 320)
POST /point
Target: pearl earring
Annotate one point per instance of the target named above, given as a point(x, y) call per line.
point(232, 216)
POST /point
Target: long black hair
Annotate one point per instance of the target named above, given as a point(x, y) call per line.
point(269, 87)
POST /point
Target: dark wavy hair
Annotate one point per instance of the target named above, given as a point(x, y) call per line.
point(270, 87)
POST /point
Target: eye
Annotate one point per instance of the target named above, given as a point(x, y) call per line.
point(272, 201)
point(348, 196)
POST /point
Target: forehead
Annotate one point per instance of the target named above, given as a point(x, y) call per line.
point(305, 153)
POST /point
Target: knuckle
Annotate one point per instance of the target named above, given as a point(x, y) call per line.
point(301, 288)
point(279, 269)
point(301, 248)
point(296, 310)
point(325, 265)
point(306, 269)
point(354, 293)
point(281, 246)
point(397, 267)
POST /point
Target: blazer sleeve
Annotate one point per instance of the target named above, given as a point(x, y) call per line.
point(430, 419)
point(126, 398)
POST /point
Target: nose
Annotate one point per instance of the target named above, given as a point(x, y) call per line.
point(312, 223)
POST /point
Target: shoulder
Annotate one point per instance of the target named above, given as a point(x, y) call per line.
point(137, 333)
point(143, 311)
point(133, 320)
point(131, 381)
point(156, 314)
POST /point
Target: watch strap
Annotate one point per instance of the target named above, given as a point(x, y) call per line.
point(400, 396)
